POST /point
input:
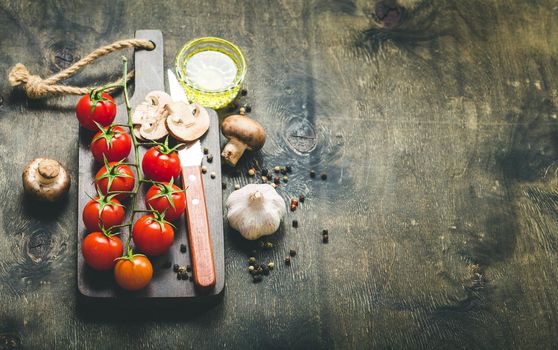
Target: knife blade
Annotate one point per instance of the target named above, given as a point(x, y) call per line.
point(197, 221)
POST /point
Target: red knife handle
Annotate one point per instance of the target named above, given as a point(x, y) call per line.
point(198, 228)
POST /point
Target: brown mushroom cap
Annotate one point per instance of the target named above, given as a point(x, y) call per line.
point(244, 129)
point(149, 116)
point(186, 122)
point(46, 179)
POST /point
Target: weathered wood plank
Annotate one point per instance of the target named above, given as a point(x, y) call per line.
point(438, 135)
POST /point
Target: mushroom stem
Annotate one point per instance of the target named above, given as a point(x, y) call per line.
point(47, 170)
point(233, 151)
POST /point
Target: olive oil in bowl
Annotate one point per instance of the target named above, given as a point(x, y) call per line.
point(211, 71)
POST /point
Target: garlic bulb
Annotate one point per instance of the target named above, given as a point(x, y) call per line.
point(255, 210)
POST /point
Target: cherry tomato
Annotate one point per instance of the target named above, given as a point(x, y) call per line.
point(95, 107)
point(152, 235)
point(133, 273)
point(161, 164)
point(100, 250)
point(114, 177)
point(112, 143)
point(102, 211)
point(166, 198)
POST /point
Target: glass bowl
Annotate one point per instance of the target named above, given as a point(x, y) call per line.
point(211, 70)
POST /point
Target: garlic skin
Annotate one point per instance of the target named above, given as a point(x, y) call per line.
point(255, 210)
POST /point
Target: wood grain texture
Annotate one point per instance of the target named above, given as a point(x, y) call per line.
point(438, 136)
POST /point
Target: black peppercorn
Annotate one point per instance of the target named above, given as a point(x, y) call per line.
point(175, 268)
point(325, 239)
point(312, 174)
point(243, 92)
point(295, 223)
point(184, 276)
point(266, 271)
point(288, 260)
point(248, 108)
point(265, 172)
point(292, 252)
point(205, 150)
point(289, 169)
point(323, 176)
point(188, 268)
point(283, 170)
point(325, 232)
point(224, 186)
point(210, 158)
point(178, 276)
point(301, 198)
point(276, 180)
point(183, 248)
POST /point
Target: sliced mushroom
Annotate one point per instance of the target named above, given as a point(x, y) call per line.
point(149, 116)
point(46, 179)
point(186, 122)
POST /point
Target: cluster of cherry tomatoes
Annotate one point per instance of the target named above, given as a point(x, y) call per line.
point(115, 181)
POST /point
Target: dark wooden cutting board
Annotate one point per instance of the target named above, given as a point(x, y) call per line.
point(165, 288)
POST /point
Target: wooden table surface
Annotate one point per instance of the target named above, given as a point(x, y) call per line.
point(439, 137)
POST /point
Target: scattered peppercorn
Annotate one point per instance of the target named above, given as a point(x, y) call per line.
point(242, 110)
point(283, 170)
point(277, 169)
point(292, 252)
point(178, 276)
point(323, 176)
point(175, 267)
point(271, 265)
point(259, 270)
point(312, 174)
point(253, 271)
point(237, 187)
point(289, 169)
point(182, 269)
point(264, 179)
point(210, 158)
point(325, 238)
point(266, 271)
point(243, 92)
point(295, 223)
point(268, 245)
point(183, 248)
point(224, 186)
point(251, 268)
point(213, 175)
point(167, 265)
point(251, 260)
point(251, 172)
point(285, 178)
point(276, 180)
point(248, 109)
point(288, 260)
point(265, 172)
point(204, 169)
point(205, 150)
point(301, 198)
point(257, 278)
point(325, 232)
point(184, 276)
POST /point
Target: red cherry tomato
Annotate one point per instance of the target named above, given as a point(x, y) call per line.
point(166, 198)
point(120, 177)
point(112, 143)
point(94, 108)
point(133, 273)
point(102, 211)
point(158, 165)
point(100, 250)
point(152, 235)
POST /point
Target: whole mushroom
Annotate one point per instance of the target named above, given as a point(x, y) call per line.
point(243, 133)
point(46, 179)
point(255, 210)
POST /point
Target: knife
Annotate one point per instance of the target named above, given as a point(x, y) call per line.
point(197, 221)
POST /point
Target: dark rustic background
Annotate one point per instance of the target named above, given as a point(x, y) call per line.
point(436, 123)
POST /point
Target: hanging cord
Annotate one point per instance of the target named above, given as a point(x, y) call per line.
point(37, 87)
